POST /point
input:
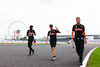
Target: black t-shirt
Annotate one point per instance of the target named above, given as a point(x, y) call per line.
point(28, 33)
point(52, 34)
point(79, 31)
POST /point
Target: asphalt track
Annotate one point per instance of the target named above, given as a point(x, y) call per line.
point(13, 55)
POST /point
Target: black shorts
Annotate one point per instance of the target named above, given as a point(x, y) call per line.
point(53, 43)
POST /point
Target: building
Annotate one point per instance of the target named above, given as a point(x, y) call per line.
point(66, 38)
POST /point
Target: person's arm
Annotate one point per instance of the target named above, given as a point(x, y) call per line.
point(72, 33)
point(57, 29)
point(72, 36)
point(84, 34)
point(34, 33)
point(47, 39)
point(27, 33)
point(85, 37)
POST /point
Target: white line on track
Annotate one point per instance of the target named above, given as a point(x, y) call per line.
point(87, 57)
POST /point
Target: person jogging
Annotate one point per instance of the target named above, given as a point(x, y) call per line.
point(30, 34)
point(79, 38)
point(52, 33)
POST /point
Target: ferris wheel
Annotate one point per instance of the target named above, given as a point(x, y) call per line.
point(17, 30)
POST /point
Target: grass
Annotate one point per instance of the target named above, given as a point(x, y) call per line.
point(47, 44)
point(95, 58)
point(36, 43)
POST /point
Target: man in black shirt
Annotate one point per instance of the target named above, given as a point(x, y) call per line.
point(52, 33)
point(30, 34)
point(80, 35)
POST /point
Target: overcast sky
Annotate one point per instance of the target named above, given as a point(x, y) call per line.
point(41, 13)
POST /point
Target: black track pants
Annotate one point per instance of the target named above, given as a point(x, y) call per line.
point(79, 48)
point(30, 46)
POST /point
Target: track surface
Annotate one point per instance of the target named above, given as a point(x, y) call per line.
point(13, 55)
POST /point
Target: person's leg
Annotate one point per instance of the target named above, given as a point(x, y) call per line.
point(73, 44)
point(53, 45)
point(29, 45)
point(77, 49)
point(77, 46)
point(81, 49)
point(53, 51)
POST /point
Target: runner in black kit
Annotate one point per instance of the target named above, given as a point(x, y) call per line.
point(52, 34)
point(79, 30)
point(30, 34)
